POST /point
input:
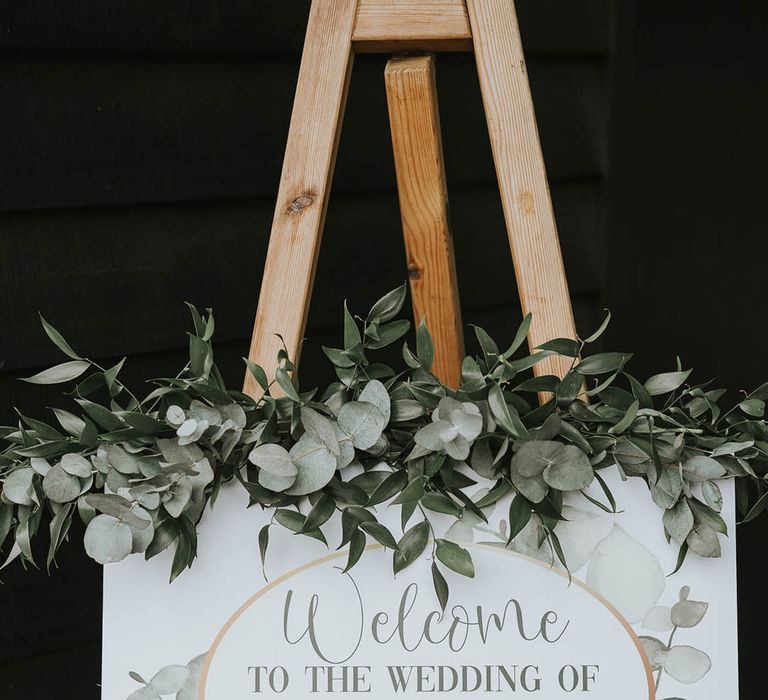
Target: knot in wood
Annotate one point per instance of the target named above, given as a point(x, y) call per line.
point(414, 272)
point(300, 203)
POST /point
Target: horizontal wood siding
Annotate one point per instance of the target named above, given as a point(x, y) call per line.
point(80, 132)
point(251, 26)
point(114, 280)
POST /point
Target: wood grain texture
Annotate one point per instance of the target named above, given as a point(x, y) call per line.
point(423, 194)
point(522, 176)
point(305, 185)
point(408, 25)
point(81, 279)
point(95, 130)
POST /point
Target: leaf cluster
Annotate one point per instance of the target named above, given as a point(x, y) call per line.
point(140, 472)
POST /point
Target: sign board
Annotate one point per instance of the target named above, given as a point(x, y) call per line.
point(618, 626)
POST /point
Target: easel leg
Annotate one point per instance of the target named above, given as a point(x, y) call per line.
point(304, 186)
point(415, 122)
point(522, 178)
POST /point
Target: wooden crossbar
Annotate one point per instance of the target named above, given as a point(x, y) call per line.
point(336, 30)
point(391, 26)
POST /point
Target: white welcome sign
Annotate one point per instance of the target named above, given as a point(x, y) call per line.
point(621, 628)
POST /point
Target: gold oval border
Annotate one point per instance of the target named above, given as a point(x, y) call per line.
point(337, 555)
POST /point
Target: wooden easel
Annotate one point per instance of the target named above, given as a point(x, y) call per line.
point(338, 29)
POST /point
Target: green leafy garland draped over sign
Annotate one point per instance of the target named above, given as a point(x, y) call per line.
point(140, 472)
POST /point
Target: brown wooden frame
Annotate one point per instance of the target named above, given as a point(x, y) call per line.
point(336, 30)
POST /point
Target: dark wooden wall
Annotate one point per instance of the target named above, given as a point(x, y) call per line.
point(688, 237)
point(140, 150)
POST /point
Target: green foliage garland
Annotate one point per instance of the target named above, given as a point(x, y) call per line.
point(140, 472)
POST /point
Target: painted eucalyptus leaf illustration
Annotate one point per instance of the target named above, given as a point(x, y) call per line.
point(627, 574)
point(181, 681)
point(469, 523)
point(683, 663)
point(656, 651)
point(191, 688)
point(658, 619)
point(580, 534)
point(687, 664)
point(688, 613)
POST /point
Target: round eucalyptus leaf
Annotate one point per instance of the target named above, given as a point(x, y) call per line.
point(107, 539)
point(469, 423)
point(273, 459)
point(187, 428)
point(534, 488)
point(482, 460)
point(346, 449)
point(17, 487)
point(533, 456)
point(202, 478)
point(116, 481)
point(76, 465)
point(175, 416)
point(150, 500)
point(315, 463)
point(458, 448)
point(41, 466)
point(570, 470)
point(142, 537)
point(122, 460)
point(430, 436)
point(363, 422)
point(60, 486)
point(376, 393)
point(275, 483)
point(320, 428)
point(444, 408)
point(86, 484)
point(203, 412)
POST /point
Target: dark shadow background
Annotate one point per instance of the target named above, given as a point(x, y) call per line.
point(140, 149)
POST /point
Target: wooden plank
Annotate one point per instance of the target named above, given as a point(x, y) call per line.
point(245, 27)
point(73, 672)
point(117, 130)
point(81, 278)
point(302, 198)
point(423, 194)
point(522, 177)
point(386, 26)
